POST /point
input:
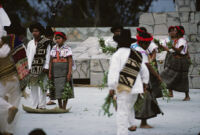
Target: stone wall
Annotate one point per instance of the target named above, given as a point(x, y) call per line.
point(185, 5)
point(91, 63)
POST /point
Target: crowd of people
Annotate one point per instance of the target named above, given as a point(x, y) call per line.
point(133, 78)
point(47, 61)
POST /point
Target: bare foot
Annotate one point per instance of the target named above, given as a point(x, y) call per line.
point(145, 126)
point(171, 93)
point(64, 108)
point(186, 99)
point(12, 111)
point(132, 128)
point(51, 103)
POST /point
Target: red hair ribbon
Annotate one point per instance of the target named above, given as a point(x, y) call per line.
point(144, 39)
point(182, 31)
point(171, 27)
point(138, 29)
point(60, 34)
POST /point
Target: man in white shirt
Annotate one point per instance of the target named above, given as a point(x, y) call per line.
point(38, 53)
point(125, 99)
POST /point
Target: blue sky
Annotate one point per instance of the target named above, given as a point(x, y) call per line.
point(162, 6)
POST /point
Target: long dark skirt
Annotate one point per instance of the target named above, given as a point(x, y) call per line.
point(166, 60)
point(59, 79)
point(154, 86)
point(175, 74)
point(146, 106)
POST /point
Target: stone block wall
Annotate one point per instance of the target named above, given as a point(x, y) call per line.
point(185, 5)
point(91, 63)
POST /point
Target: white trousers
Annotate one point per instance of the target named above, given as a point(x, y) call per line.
point(38, 97)
point(125, 112)
point(10, 95)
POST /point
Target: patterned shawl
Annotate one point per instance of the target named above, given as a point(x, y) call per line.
point(130, 71)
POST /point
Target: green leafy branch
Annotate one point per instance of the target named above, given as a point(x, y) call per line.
point(106, 49)
point(170, 44)
point(41, 83)
point(67, 93)
point(157, 42)
point(106, 106)
point(104, 80)
point(163, 85)
point(139, 104)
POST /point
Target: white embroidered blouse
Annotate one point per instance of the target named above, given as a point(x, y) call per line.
point(64, 51)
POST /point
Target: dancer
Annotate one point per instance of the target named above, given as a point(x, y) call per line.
point(175, 74)
point(13, 77)
point(149, 107)
point(127, 76)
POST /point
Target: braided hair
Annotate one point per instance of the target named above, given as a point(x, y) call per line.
point(180, 30)
point(144, 40)
point(141, 30)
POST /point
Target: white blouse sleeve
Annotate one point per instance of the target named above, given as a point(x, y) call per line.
point(69, 52)
point(46, 64)
point(181, 42)
point(4, 51)
point(113, 74)
point(144, 72)
point(152, 47)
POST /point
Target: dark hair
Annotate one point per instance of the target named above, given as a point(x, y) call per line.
point(37, 131)
point(171, 28)
point(145, 35)
point(180, 30)
point(37, 26)
point(124, 39)
point(16, 29)
point(114, 28)
point(48, 31)
point(61, 34)
point(141, 30)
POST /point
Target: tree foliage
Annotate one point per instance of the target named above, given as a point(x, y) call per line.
point(77, 13)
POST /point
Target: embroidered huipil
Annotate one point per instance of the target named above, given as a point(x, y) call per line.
point(64, 51)
point(182, 42)
point(152, 47)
